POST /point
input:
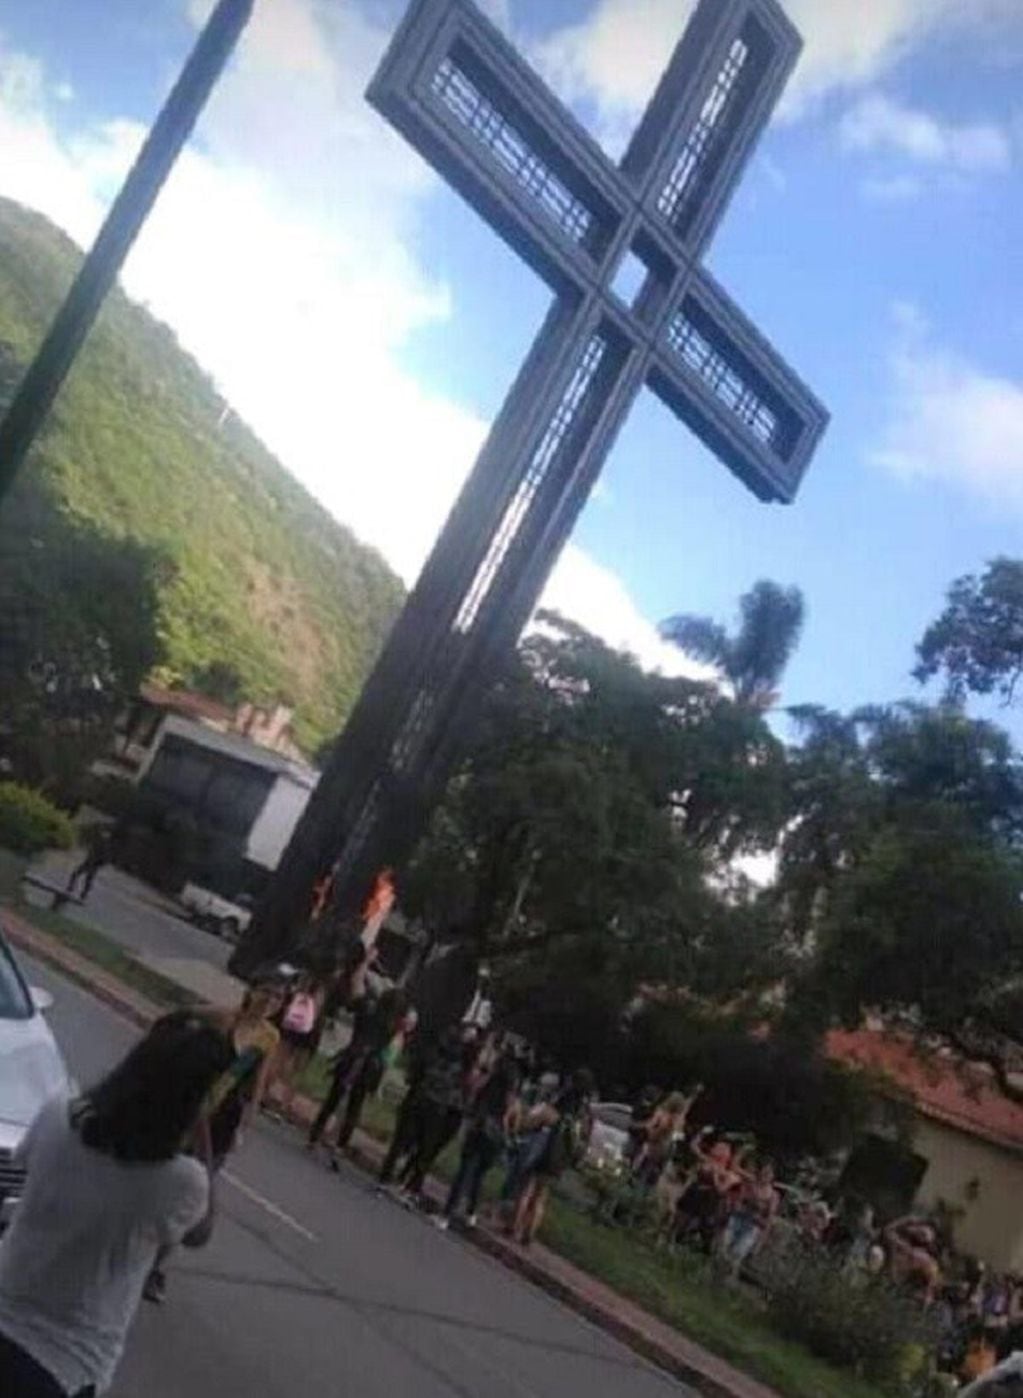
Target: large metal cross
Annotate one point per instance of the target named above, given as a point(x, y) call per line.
point(621, 247)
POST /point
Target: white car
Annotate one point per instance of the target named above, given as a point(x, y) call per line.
point(610, 1134)
point(31, 1068)
point(225, 917)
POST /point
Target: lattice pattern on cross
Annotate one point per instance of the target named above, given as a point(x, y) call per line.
point(466, 100)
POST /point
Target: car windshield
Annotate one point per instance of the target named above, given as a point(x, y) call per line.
point(15, 1001)
point(611, 1114)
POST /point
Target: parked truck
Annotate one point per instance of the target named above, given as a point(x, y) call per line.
point(241, 800)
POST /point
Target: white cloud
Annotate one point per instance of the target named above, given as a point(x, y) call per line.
point(774, 174)
point(892, 189)
point(279, 252)
point(850, 44)
point(615, 56)
point(877, 123)
point(36, 169)
point(952, 421)
point(597, 598)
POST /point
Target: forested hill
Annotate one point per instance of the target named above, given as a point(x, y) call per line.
point(258, 589)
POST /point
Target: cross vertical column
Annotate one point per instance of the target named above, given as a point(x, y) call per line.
point(477, 588)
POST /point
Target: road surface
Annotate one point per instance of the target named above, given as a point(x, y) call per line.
point(133, 915)
point(313, 1286)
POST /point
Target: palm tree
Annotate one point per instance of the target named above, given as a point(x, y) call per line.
point(754, 658)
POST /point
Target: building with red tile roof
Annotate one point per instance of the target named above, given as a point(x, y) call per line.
point(968, 1138)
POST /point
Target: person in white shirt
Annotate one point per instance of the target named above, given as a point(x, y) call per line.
point(480, 1012)
point(1004, 1379)
point(108, 1185)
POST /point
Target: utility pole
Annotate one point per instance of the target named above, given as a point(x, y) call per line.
point(129, 211)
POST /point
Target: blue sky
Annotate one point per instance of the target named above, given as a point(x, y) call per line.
point(368, 324)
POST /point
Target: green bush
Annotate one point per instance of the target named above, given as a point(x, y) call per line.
point(861, 1323)
point(29, 823)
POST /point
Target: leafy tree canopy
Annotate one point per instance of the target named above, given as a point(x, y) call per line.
point(976, 644)
point(754, 657)
point(601, 808)
point(901, 874)
point(80, 633)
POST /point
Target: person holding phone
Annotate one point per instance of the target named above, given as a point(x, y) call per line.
point(109, 1182)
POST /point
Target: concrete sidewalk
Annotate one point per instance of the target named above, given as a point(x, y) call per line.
point(642, 1332)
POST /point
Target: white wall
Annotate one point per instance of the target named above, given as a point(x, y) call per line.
point(982, 1180)
point(272, 828)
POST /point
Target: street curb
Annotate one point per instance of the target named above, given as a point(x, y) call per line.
point(368, 1153)
point(80, 970)
point(592, 1310)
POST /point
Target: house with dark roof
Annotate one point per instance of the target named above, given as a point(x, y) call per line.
point(967, 1143)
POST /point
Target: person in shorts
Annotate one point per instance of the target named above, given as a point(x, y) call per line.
point(301, 1028)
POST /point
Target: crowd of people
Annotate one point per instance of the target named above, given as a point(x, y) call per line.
point(468, 1079)
point(702, 1187)
point(706, 1187)
point(123, 1174)
point(714, 1191)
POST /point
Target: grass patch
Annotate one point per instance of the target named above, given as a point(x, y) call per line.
point(680, 1292)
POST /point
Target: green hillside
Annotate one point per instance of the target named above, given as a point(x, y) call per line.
point(257, 588)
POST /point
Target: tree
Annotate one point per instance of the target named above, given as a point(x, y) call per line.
point(977, 642)
point(906, 867)
point(832, 805)
point(80, 632)
point(557, 824)
point(597, 817)
point(788, 1094)
point(754, 658)
point(219, 679)
point(925, 927)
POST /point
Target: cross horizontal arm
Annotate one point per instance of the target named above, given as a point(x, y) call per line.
point(465, 99)
point(718, 373)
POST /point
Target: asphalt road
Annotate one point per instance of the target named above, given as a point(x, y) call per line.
point(134, 916)
point(312, 1285)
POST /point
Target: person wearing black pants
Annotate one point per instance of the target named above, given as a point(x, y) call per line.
point(364, 1082)
point(359, 1068)
point(23, 1377)
point(439, 1127)
point(407, 1128)
point(491, 1123)
point(349, 1063)
point(430, 1114)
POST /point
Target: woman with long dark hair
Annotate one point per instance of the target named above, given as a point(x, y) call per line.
point(252, 1040)
point(108, 1185)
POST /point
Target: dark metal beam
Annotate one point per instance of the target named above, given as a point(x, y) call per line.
point(129, 211)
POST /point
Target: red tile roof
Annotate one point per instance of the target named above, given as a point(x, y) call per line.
point(187, 703)
point(962, 1095)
